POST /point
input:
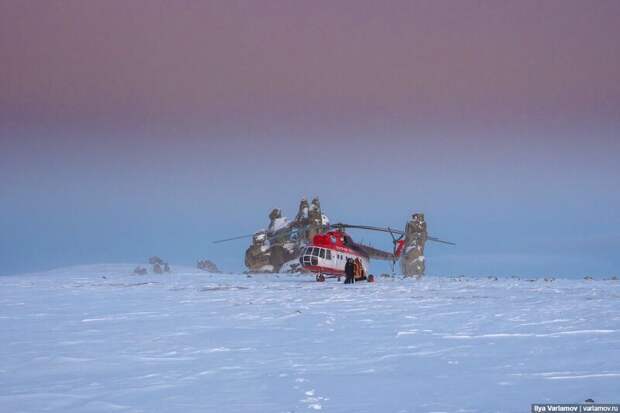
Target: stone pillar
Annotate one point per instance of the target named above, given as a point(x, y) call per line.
point(257, 256)
point(283, 241)
point(275, 214)
point(302, 213)
point(412, 260)
point(315, 218)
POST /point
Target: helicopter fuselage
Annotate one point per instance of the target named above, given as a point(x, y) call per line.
point(328, 254)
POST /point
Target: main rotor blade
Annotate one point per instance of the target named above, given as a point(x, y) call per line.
point(233, 238)
point(270, 236)
point(439, 240)
point(388, 229)
point(370, 228)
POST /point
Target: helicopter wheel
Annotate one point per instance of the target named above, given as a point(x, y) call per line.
point(320, 278)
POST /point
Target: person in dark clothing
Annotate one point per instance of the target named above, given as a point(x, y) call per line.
point(349, 270)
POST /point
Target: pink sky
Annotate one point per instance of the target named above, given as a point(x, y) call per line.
point(499, 119)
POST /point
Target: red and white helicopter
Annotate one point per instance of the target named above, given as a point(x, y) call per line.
point(328, 252)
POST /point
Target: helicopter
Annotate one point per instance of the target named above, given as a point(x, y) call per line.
point(328, 252)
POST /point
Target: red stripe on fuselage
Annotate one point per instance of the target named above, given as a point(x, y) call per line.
point(323, 270)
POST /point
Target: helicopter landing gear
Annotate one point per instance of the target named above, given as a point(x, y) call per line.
point(320, 278)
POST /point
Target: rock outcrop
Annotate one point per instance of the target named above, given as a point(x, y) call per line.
point(412, 260)
point(257, 256)
point(159, 265)
point(156, 260)
point(283, 240)
point(140, 270)
point(207, 265)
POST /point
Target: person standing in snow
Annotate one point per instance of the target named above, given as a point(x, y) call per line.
point(358, 270)
point(349, 270)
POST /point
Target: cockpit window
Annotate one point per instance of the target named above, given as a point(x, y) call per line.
point(309, 251)
point(315, 252)
point(328, 254)
point(322, 253)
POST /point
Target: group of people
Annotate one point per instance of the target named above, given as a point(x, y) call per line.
point(354, 271)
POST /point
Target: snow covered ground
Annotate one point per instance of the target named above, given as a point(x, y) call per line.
point(96, 339)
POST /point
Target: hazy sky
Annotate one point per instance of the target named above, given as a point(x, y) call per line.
point(133, 128)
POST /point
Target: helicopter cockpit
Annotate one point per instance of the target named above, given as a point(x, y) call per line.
point(311, 255)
